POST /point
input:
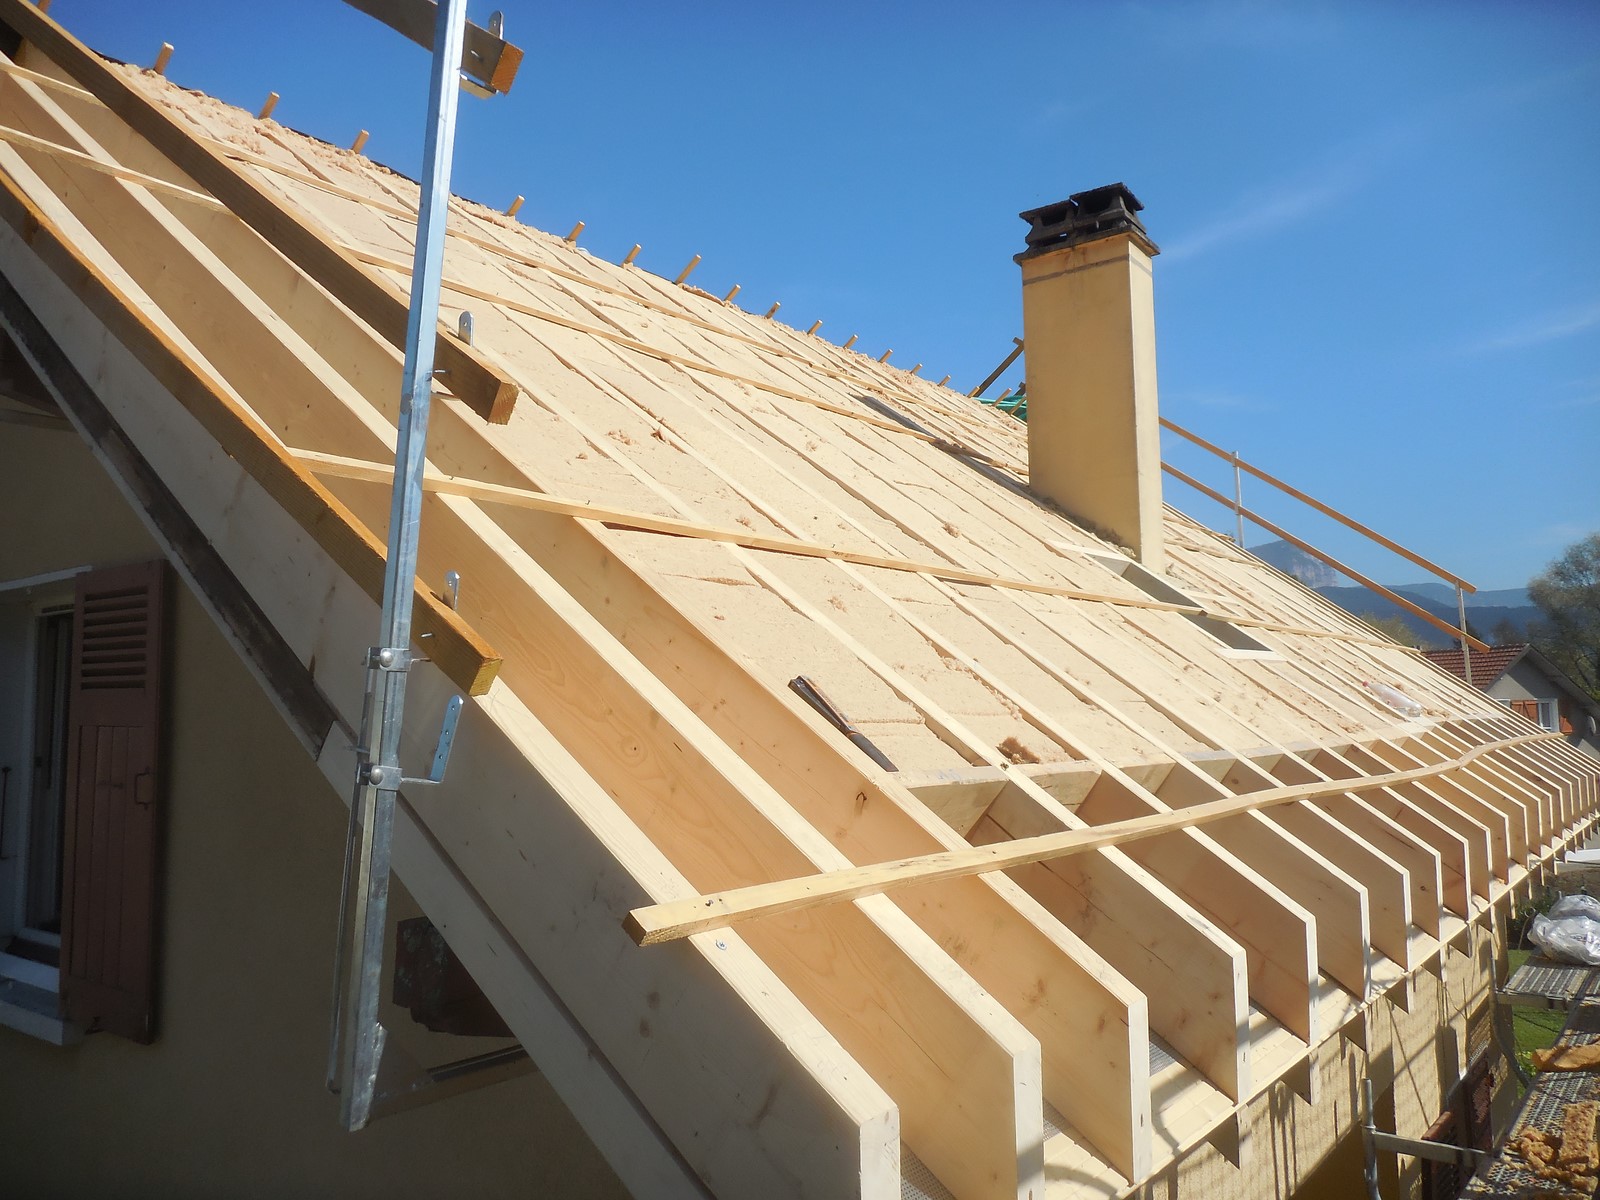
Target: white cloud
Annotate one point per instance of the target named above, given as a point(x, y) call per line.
point(1546, 327)
point(1267, 210)
point(1276, 208)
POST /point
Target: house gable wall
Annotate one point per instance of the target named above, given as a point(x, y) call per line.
point(1524, 681)
point(230, 1099)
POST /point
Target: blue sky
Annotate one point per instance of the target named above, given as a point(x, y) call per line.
point(1380, 221)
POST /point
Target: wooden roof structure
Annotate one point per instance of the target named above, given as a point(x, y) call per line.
point(665, 509)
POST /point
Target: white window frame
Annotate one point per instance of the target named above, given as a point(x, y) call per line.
point(1549, 710)
point(1549, 715)
point(22, 980)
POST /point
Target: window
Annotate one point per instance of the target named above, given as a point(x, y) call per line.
point(1541, 712)
point(81, 689)
point(35, 650)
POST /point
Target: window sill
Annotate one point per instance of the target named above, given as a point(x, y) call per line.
point(32, 1011)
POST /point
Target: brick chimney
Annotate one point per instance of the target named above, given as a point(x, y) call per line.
point(1088, 323)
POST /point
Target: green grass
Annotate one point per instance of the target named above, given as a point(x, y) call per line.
point(1532, 1028)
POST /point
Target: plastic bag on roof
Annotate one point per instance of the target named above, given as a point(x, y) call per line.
point(1567, 939)
point(1395, 699)
point(1575, 906)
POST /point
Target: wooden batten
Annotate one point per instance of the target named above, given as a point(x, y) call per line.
point(108, 291)
point(852, 1124)
point(1109, 831)
point(473, 378)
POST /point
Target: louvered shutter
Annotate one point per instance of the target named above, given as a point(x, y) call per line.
point(111, 841)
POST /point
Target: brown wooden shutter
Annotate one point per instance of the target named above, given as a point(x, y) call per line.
point(1528, 708)
point(111, 843)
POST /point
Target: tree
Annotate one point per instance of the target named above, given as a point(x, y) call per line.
point(1505, 632)
point(1568, 595)
point(1394, 626)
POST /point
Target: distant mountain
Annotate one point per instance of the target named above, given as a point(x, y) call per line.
point(1486, 611)
point(1443, 593)
point(1296, 562)
point(1361, 602)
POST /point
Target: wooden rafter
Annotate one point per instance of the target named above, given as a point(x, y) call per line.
point(455, 646)
point(677, 764)
point(471, 377)
point(667, 922)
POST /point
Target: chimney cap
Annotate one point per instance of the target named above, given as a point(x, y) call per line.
point(1085, 217)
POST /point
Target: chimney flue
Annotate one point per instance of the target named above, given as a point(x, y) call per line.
point(1088, 322)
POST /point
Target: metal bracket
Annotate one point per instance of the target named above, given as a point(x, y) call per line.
point(447, 741)
point(384, 777)
point(392, 658)
point(487, 65)
point(464, 327)
point(452, 579)
point(1465, 1157)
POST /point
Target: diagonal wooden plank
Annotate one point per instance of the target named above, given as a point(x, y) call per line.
point(472, 377)
point(667, 922)
point(457, 649)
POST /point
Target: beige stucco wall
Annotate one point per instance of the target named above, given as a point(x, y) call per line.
point(1524, 681)
point(229, 1101)
point(1313, 1151)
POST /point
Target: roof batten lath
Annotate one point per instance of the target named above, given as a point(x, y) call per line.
point(960, 613)
point(473, 379)
point(207, 396)
point(709, 912)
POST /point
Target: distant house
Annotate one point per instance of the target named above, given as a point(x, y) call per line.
point(1527, 682)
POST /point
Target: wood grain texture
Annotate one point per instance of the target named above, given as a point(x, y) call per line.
point(466, 657)
point(667, 922)
point(472, 377)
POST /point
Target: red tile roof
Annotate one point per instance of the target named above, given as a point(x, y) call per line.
point(1487, 665)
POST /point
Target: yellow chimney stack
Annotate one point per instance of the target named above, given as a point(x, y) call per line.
point(1088, 322)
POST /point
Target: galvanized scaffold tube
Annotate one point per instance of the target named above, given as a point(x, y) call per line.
point(356, 1042)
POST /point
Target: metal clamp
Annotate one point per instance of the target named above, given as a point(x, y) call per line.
point(392, 658)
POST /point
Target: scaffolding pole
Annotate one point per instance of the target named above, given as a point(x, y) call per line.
point(357, 1038)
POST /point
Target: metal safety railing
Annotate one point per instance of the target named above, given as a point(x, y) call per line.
point(1235, 503)
point(1017, 407)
